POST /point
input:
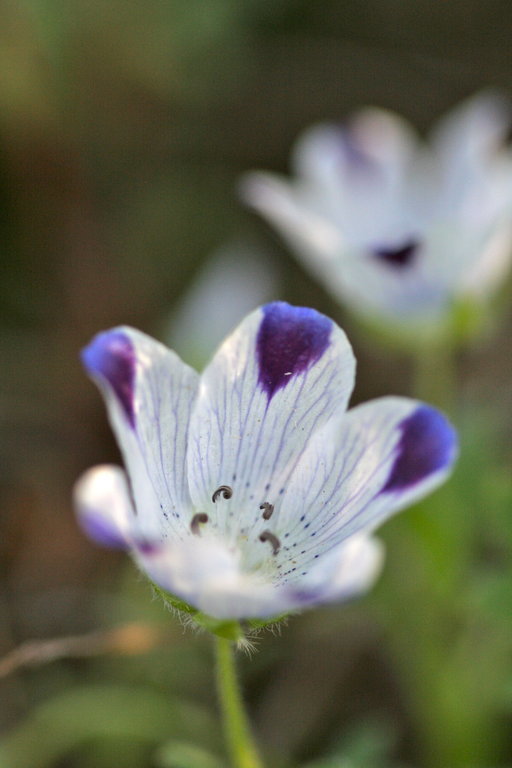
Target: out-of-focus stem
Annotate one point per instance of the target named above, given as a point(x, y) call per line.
point(429, 628)
point(435, 376)
point(125, 640)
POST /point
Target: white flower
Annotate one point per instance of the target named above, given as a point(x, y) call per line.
point(250, 491)
point(396, 228)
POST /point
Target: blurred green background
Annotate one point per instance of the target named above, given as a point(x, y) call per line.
point(124, 127)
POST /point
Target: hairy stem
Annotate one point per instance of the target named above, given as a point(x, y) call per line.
point(240, 742)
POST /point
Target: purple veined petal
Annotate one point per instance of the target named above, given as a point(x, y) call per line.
point(347, 571)
point(149, 393)
point(103, 506)
point(277, 379)
point(111, 356)
point(426, 446)
point(290, 341)
point(360, 469)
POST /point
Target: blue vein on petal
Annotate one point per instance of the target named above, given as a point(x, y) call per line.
point(399, 257)
point(428, 443)
point(290, 340)
point(111, 355)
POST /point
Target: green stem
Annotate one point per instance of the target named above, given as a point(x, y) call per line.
point(237, 730)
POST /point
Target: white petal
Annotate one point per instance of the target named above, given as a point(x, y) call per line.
point(468, 134)
point(207, 575)
point(360, 469)
point(491, 266)
point(373, 287)
point(324, 155)
point(374, 145)
point(316, 239)
point(298, 213)
point(149, 393)
point(342, 173)
point(103, 506)
point(276, 380)
point(385, 137)
point(349, 570)
point(455, 257)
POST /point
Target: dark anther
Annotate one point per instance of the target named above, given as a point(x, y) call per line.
point(225, 491)
point(201, 517)
point(268, 536)
point(268, 509)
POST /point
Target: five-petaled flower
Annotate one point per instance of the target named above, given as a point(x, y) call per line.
point(250, 492)
point(395, 228)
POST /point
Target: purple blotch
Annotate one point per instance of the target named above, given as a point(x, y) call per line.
point(398, 257)
point(428, 443)
point(308, 595)
point(290, 340)
point(100, 531)
point(111, 355)
point(148, 547)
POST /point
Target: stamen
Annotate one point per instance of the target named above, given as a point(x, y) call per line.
point(269, 508)
point(272, 538)
point(224, 490)
point(200, 517)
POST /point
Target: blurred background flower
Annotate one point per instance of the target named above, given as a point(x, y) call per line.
point(401, 231)
point(124, 129)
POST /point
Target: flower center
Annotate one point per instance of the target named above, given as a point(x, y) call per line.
point(253, 557)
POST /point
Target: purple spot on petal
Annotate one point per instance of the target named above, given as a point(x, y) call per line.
point(148, 547)
point(290, 340)
point(111, 355)
point(100, 531)
point(356, 158)
point(428, 444)
point(398, 257)
point(308, 595)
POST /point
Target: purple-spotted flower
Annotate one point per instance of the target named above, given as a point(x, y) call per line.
point(249, 490)
point(396, 228)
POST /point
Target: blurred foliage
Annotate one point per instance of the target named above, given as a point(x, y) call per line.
point(125, 717)
point(123, 129)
